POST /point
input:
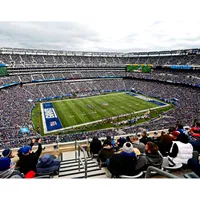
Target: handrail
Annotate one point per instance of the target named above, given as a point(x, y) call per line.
point(159, 171)
point(80, 160)
point(75, 149)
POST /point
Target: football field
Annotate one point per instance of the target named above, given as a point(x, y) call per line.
point(73, 112)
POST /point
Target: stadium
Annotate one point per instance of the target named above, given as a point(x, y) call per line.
point(71, 98)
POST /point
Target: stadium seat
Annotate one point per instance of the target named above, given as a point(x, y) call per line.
point(166, 165)
point(139, 175)
point(191, 175)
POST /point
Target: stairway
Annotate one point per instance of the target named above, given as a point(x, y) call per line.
point(69, 169)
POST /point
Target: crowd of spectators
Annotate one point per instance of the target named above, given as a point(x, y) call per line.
point(15, 107)
point(131, 155)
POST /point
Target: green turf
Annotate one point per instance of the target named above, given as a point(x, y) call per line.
point(73, 112)
point(37, 118)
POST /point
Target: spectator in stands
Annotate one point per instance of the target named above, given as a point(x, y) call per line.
point(7, 169)
point(123, 163)
point(111, 140)
point(181, 150)
point(157, 138)
point(128, 139)
point(121, 142)
point(28, 159)
point(145, 138)
point(153, 156)
point(196, 144)
point(175, 134)
point(48, 164)
point(194, 164)
point(106, 152)
point(180, 129)
point(137, 144)
point(8, 153)
point(196, 128)
point(95, 145)
point(165, 144)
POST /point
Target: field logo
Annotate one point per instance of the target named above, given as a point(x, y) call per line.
point(49, 113)
point(105, 104)
point(54, 123)
point(51, 119)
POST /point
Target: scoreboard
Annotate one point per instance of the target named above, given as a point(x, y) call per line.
point(144, 68)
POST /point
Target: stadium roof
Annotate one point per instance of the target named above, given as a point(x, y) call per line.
point(107, 54)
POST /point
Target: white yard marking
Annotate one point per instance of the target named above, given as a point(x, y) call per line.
point(66, 128)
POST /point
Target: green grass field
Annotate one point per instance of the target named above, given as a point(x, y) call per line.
point(80, 111)
point(72, 112)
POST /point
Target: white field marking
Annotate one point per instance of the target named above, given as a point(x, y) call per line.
point(43, 119)
point(69, 127)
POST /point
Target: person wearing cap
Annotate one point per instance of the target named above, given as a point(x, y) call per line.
point(7, 170)
point(48, 164)
point(29, 159)
point(175, 134)
point(8, 153)
point(123, 163)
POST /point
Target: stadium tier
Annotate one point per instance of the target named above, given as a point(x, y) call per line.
point(68, 98)
point(35, 76)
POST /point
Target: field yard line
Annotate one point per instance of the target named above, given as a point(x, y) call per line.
point(75, 113)
point(88, 97)
point(62, 129)
point(43, 119)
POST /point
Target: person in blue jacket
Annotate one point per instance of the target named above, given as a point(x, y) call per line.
point(48, 164)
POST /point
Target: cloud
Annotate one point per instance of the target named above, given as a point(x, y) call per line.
point(152, 35)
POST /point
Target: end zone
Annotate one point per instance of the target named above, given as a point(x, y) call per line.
point(50, 119)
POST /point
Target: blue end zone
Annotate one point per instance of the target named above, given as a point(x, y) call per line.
point(51, 119)
point(157, 102)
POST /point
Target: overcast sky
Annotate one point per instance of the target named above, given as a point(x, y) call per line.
point(106, 25)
